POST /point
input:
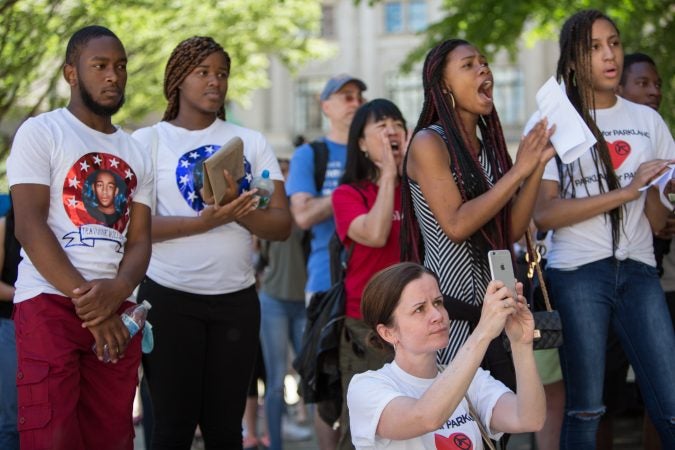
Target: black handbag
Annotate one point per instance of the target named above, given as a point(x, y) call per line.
point(548, 331)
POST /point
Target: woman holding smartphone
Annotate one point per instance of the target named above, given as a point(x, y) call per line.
point(409, 403)
point(601, 267)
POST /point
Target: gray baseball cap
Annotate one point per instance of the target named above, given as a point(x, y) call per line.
point(335, 84)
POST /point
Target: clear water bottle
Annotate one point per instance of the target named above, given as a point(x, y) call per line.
point(134, 319)
point(265, 188)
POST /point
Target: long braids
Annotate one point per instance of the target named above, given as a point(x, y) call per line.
point(184, 58)
point(575, 70)
point(464, 164)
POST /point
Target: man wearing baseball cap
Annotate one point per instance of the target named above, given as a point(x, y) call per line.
point(311, 204)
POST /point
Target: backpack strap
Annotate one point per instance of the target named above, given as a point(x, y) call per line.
point(154, 146)
point(320, 150)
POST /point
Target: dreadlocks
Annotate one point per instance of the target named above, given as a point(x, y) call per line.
point(464, 164)
point(184, 58)
point(574, 69)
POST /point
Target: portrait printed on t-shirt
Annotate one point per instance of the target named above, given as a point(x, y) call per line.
point(104, 196)
point(98, 191)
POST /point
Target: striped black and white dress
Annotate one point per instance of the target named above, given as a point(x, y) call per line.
point(460, 275)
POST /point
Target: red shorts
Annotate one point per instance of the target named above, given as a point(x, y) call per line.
point(67, 398)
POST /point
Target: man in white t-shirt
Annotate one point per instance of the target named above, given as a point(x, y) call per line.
point(83, 254)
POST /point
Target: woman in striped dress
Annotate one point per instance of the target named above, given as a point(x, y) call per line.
point(462, 195)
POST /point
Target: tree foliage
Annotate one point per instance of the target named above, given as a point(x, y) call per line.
point(645, 25)
point(34, 33)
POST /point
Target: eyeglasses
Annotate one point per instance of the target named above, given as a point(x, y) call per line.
point(349, 97)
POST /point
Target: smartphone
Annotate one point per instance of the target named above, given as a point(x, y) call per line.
point(501, 268)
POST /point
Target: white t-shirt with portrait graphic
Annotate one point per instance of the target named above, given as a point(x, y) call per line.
point(370, 392)
point(220, 260)
point(634, 134)
point(88, 219)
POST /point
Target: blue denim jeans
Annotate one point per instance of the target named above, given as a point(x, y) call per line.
point(627, 296)
point(281, 321)
point(9, 436)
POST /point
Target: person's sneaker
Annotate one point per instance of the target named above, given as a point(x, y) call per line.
point(292, 432)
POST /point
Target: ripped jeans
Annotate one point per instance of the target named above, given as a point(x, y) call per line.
point(627, 296)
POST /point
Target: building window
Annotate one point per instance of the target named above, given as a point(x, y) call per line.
point(308, 117)
point(393, 17)
point(327, 21)
point(406, 91)
point(509, 95)
point(417, 15)
point(405, 16)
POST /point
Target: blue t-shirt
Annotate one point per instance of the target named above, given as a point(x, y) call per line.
point(301, 179)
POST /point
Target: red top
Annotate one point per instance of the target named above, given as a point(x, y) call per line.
point(365, 261)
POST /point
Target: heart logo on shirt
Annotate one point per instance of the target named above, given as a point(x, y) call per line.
point(456, 441)
point(618, 151)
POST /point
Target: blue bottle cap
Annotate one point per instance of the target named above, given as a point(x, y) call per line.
point(265, 173)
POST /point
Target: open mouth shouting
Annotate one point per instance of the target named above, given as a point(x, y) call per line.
point(395, 146)
point(485, 91)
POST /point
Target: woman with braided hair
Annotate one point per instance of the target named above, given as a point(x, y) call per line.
point(201, 279)
point(601, 266)
point(462, 196)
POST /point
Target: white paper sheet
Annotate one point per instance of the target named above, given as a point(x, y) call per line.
point(661, 181)
point(572, 136)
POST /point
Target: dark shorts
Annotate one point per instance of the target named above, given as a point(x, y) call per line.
point(67, 398)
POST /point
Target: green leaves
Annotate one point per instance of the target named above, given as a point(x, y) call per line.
point(34, 33)
point(646, 26)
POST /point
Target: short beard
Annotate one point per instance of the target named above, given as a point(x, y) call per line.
point(97, 108)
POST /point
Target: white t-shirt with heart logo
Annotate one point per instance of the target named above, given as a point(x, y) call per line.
point(634, 134)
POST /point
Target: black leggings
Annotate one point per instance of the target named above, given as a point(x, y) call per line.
point(200, 368)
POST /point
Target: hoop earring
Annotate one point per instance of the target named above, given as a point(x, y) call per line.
point(452, 97)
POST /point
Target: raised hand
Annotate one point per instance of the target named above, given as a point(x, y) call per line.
point(535, 148)
point(498, 305)
point(520, 323)
point(387, 164)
